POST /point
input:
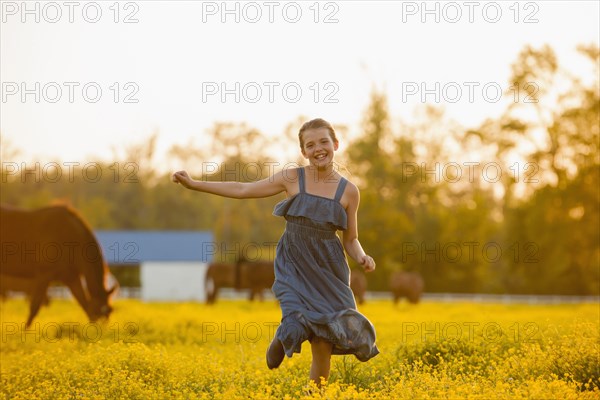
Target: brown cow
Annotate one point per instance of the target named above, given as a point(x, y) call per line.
point(406, 284)
point(358, 284)
point(54, 244)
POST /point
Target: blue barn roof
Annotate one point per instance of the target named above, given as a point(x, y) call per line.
point(133, 247)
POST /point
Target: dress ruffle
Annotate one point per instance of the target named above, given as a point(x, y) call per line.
point(321, 209)
point(348, 331)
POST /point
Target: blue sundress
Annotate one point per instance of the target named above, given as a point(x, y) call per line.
point(312, 277)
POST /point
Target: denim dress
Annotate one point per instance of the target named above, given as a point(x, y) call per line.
point(312, 277)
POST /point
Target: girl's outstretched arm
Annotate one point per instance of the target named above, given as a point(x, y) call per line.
point(350, 235)
point(238, 190)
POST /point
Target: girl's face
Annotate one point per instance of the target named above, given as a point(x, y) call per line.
point(318, 147)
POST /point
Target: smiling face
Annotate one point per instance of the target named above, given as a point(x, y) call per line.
point(318, 147)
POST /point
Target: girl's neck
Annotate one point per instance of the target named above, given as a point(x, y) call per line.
point(320, 173)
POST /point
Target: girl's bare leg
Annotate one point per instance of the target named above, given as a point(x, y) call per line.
point(321, 360)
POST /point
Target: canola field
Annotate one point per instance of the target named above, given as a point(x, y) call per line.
point(194, 351)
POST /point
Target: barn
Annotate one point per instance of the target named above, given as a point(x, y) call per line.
point(171, 264)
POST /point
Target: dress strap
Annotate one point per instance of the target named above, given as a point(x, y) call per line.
point(301, 179)
point(340, 189)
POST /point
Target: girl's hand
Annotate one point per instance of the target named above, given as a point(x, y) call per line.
point(368, 263)
point(183, 178)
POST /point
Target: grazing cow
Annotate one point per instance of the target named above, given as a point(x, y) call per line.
point(53, 244)
point(358, 284)
point(406, 284)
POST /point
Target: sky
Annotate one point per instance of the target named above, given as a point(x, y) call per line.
point(83, 80)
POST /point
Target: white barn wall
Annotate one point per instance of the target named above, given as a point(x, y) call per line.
point(173, 281)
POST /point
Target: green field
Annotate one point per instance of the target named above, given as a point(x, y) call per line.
point(188, 350)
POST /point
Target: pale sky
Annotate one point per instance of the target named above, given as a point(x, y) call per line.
point(178, 51)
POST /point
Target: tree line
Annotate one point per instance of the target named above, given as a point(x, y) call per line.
point(510, 206)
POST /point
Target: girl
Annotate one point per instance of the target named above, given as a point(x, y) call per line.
point(312, 277)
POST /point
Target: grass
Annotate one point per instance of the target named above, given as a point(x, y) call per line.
point(194, 351)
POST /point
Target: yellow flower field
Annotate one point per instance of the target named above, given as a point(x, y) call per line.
point(194, 351)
